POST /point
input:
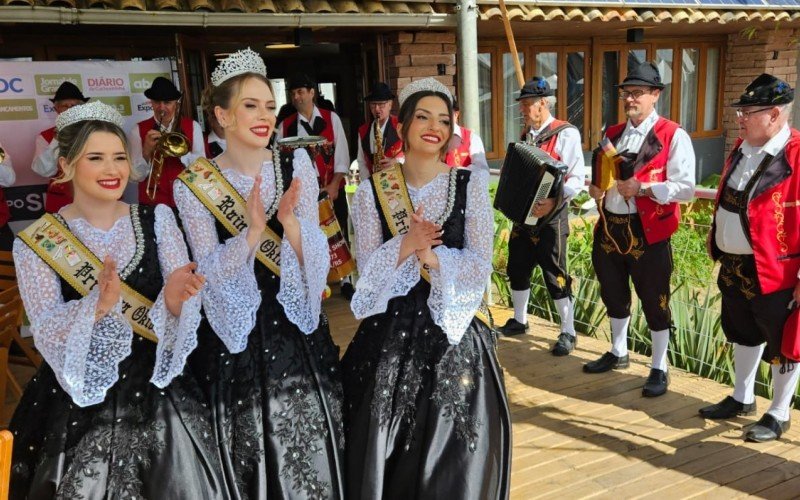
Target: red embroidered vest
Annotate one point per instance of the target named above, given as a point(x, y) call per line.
point(324, 169)
point(659, 221)
point(459, 157)
point(772, 217)
point(392, 143)
point(172, 166)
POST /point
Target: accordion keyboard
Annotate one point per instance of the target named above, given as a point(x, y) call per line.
point(541, 194)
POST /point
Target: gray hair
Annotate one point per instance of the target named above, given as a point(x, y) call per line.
point(551, 102)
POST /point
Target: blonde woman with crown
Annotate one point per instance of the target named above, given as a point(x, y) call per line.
point(426, 408)
point(270, 364)
point(114, 309)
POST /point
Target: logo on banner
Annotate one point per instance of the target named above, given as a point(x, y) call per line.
point(13, 84)
point(143, 81)
point(144, 107)
point(48, 84)
point(106, 83)
point(122, 103)
point(18, 109)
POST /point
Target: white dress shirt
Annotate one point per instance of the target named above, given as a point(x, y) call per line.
point(568, 148)
point(140, 167)
point(45, 162)
point(477, 152)
point(341, 155)
point(730, 236)
point(680, 182)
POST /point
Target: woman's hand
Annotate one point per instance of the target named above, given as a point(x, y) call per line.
point(421, 234)
point(110, 288)
point(256, 216)
point(428, 258)
point(288, 203)
point(182, 284)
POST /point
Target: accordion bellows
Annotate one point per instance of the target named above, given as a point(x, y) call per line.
point(528, 175)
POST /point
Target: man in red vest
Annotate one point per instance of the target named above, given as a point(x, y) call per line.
point(754, 237)
point(632, 241)
point(466, 148)
point(546, 246)
point(144, 137)
point(45, 161)
point(385, 124)
point(331, 169)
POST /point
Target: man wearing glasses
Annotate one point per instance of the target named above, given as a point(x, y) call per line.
point(640, 215)
point(380, 132)
point(754, 237)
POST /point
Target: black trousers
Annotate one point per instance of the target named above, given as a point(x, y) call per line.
point(749, 317)
point(546, 248)
point(648, 266)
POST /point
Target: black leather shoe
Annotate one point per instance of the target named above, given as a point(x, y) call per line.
point(728, 408)
point(768, 428)
point(657, 383)
point(513, 327)
point(565, 344)
point(347, 290)
point(607, 362)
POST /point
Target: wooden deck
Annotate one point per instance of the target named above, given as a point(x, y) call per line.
point(578, 435)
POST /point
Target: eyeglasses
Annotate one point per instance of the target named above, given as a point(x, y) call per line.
point(745, 115)
point(624, 94)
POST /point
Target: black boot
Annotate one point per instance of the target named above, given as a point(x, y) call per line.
point(656, 384)
point(607, 362)
point(768, 428)
point(513, 327)
point(728, 408)
point(565, 344)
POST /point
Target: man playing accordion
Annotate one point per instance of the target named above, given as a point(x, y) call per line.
point(638, 217)
point(546, 246)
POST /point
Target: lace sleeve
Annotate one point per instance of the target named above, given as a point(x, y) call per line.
point(380, 278)
point(177, 336)
point(83, 354)
point(231, 296)
point(301, 287)
point(458, 285)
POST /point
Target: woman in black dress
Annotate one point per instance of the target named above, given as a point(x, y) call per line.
point(425, 406)
point(270, 366)
point(111, 413)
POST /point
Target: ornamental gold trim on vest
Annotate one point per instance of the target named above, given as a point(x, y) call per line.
point(395, 204)
point(229, 208)
point(60, 249)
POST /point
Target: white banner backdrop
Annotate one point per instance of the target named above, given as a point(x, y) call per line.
point(25, 110)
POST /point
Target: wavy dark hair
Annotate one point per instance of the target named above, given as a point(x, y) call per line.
point(406, 115)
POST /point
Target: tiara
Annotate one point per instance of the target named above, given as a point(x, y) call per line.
point(425, 84)
point(94, 110)
point(238, 63)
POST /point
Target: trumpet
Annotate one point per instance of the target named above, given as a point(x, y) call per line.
point(170, 145)
point(377, 156)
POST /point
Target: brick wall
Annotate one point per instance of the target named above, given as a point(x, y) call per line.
point(771, 51)
point(414, 55)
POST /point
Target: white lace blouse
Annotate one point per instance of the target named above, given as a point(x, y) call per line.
point(84, 353)
point(231, 296)
point(457, 287)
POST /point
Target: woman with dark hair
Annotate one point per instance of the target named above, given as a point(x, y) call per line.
point(270, 364)
point(426, 412)
point(111, 297)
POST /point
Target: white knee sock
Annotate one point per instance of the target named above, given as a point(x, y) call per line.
point(783, 388)
point(619, 336)
point(566, 311)
point(660, 344)
point(520, 299)
point(745, 366)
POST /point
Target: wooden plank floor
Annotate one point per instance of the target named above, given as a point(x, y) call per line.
point(578, 435)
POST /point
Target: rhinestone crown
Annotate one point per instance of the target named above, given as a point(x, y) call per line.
point(431, 84)
point(238, 63)
point(94, 110)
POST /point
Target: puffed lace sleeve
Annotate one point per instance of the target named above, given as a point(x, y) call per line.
point(177, 336)
point(83, 353)
point(301, 286)
point(458, 285)
point(230, 296)
point(380, 278)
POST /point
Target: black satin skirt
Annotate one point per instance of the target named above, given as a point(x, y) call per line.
point(424, 419)
point(140, 442)
point(276, 408)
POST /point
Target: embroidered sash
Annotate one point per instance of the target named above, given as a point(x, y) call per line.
point(60, 249)
point(229, 208)
point(395, 204)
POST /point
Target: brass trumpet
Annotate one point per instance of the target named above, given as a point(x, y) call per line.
point(172, 145)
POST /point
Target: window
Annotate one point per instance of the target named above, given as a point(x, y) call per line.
point(663, 61)
point(485, 99)
point(511, 117)
point(689, 72)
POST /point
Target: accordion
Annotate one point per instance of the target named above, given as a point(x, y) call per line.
point(528, 175)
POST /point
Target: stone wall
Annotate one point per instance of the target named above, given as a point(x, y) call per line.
point(414, 55)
